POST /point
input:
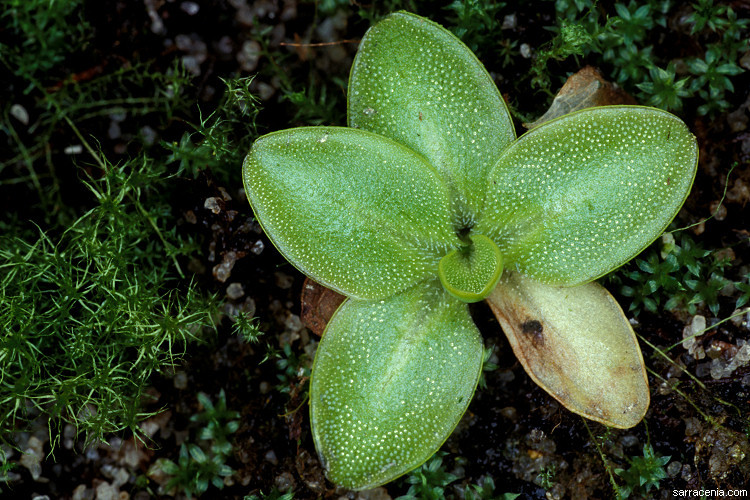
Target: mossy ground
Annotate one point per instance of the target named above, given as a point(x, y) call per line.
point(127, 245)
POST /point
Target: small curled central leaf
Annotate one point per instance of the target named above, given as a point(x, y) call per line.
point(470, 273)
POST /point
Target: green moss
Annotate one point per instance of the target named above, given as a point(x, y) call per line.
point(90, 314)
point(38, 35)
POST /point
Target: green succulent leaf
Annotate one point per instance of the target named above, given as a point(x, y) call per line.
point(353, 210)
point(582, 194)
point(415, 82)
point(470, 273)
point(391, 380)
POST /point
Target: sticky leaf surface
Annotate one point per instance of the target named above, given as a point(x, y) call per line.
point(355, 211)
point(390, 382)
point(576, 343)
point(414, 81)
point(470, 273)
point(580, 195)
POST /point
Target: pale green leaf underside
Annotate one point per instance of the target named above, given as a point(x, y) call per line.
point(353, 210)
point(581, 195)
point(414, 81)
point(390, 382)
point(576, 343)
point(470, 274)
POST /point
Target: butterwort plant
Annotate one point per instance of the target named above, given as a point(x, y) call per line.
point(427, 202)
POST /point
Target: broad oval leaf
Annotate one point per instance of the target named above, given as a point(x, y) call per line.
point(391, 379)
point(576, 344)
point(581, 195)
point(355, 211)
point(470, 273)
point(414, 81)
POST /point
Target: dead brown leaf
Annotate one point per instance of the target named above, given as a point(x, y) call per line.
point(584, 89)
point(318, 305)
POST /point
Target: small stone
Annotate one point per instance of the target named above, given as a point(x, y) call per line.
point(743, 355)
point(283, 280)
point(270, 456)
point(106, 491)
point(698, 324)
point(664, 388)
point(244, 16)
point(133, 455)
point(180, 380)
point(745, 60)
point(148, 135)
point(714, 350)
point(703, 370)
point(82, 493)
point(157, 25)
point(718, 369)
point(525, 51)
point(249, 55)
point(735, 453)
point(212, 204)
point(192, 64)
point(629, 440)
point(509, 22)
point(263, 8)
point(92, 454)
point(674, 468)
point(69, 434)
point(183, 42)
point(19, 113)
point(690, 333)
point(224, 194)
point(225, 45)
point(190, 8)
point(740, 191)
point(293, 323)
point(248, 307)
point(32, 457)
point(557, 492)
point(510, 413)
point(374, 494)
point(687, 473)
point(737, 120)
point(258, 247)
point(719, 210)
point(235, 291)
point(121, 476)
point(265, 91)
point(284, 482)
point(692, 426)
point(667, 244)
point(224, 270)
point(114, 131)
point(118, 116)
